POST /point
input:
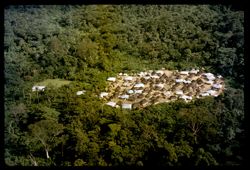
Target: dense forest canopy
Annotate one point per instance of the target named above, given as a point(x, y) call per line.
point(83, 45)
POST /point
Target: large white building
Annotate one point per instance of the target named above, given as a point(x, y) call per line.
point(38, 88)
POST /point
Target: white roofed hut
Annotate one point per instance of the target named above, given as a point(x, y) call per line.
point(160, 85)
point(127, 106)
point(209, 76)
point(187, 81)
point(112, 104)
point(185, 97)
point(204, 94)
point(103, 94)
point(212, 92)
point(179, 80)
point(160, 72)
point(130, 91)
point(38, 88)
point(146, 77)
point(179, 92)
point(141, 74)
point(184, 72)
point(154, 76)
point(138, 85)
point(80, 92)
point(217, 86)
point(126, 84)
point(128, 78)
point(111, 79)
point(125, 96)
point(220, 77)
point(193, 71)
point(138, 91)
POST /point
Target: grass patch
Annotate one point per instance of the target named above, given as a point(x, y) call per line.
point(53, 82)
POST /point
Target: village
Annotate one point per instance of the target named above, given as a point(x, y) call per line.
point(142, 89)
point(152, 87)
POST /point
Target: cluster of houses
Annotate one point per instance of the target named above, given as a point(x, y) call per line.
point(153, 87)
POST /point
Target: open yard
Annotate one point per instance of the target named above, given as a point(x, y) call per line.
point(54, 82)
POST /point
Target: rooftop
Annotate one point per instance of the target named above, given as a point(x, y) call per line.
point(164, 88)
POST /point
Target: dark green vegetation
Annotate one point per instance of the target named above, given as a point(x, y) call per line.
point(84, 45)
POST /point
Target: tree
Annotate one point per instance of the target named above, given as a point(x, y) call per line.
point(197, 118)
point(45, 134)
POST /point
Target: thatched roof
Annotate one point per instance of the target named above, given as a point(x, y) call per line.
point(173, 98)
point(136, 105)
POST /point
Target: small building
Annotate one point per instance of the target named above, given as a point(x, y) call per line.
point(185, 97)
point(209, 76)
point(112, 104)
point(204, 94)
point(193, 71)
point(127, 106)
point(173, 98)
point(210, 82)
point(160, 72)
point(140, 96)
point(217, 86)
point(111, 79)
point(144, 102)
point(212, 92)
point(136, 106)
point(38, 88)
point(141, 74)
point(125, 96)
point(128, 78)
point(80, 92)
point(138, 91)
point(179, 80)
point(103, 94)
point(159, 85)
point(139, 85)
point(179, 92)
point(219, 76)
point(167, 93)
point(146, 77)
point(154, 76)
point(184, 72)
point(126, 84)
point(187, 81)
point(199, 81)
point(130, 91)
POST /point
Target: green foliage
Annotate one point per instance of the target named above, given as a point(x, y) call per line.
point(73, 48)
point(53, 82)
